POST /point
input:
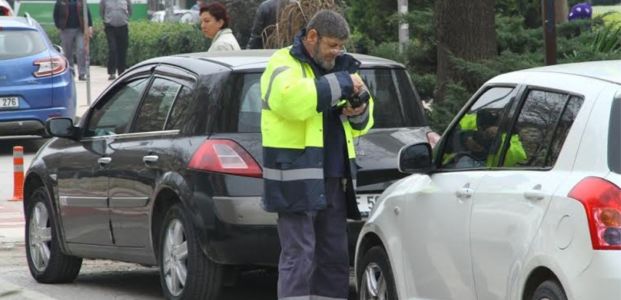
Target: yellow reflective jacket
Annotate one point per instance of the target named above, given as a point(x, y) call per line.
point(294, 100)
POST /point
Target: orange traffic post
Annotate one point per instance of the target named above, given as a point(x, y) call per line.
point(18, 173)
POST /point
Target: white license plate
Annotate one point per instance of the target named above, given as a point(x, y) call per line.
point(9, 102)
point(366, 202)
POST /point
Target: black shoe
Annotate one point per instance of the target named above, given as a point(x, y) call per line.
point(82, 77)
point(112, 77)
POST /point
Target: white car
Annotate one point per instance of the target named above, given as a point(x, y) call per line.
point(187, 16)
point(521, 199)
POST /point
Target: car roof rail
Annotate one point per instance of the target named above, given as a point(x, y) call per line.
point(29, 18)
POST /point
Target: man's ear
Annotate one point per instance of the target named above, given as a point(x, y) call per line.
point(312, 36)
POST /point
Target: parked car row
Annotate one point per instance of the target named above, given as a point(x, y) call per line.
point(164, 169)
point(520, 199)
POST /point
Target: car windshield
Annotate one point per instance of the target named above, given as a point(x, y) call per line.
point(396, 102)
point(16, 44)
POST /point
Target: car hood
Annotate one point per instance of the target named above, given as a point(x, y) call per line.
point(377, 155)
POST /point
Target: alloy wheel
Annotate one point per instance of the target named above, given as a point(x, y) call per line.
point(175, 257)
point(373, 284)
point(40, 237)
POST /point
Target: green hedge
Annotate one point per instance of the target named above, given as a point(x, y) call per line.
point(146, 40)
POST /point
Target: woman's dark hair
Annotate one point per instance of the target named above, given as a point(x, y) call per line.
point(218, 11)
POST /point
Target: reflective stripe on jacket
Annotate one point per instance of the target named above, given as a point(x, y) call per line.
point(292, 132)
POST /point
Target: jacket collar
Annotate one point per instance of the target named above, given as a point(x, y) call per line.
point(343, 62)
point(221, 32)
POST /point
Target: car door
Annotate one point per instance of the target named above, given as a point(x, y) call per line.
point(436, 218)
point(83, 176)
point(141, 157)
point(510, 202)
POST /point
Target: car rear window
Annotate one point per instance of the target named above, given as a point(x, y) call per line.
point(396, 102)
point(16, 44)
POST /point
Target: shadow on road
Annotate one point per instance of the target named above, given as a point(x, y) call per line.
point(256, 285)
point(30, 144)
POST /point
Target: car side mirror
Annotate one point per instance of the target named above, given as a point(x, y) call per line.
point(415, 158)
point(60, 127)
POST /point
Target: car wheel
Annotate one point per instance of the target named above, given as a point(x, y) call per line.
point(549, 290)
point(375, 278)
point(185, 271)
point(46, 261)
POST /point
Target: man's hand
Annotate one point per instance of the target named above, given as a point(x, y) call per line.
point(90, 32)
point(351, 112)
point(358, 83)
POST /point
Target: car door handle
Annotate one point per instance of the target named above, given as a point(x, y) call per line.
point(534, 194)
point(150, 159)
point(104, 161)
point(464, 193)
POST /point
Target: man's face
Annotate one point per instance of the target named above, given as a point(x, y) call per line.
point(326, 50)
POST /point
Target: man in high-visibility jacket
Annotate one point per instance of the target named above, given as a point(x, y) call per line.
point(308, 156)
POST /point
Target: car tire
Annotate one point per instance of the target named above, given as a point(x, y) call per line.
point(549, 290)
point(46, 261)
point(375, 277)
point(185, 271)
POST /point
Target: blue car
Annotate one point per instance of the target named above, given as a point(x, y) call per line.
point(36, 82)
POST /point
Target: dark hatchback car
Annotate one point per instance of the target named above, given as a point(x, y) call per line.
point(165, 169)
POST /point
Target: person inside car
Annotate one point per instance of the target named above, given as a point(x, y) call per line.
point(477, 142)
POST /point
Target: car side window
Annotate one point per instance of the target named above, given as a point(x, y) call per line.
point(382, 87)
point(115, 115)
point(156, 105)
point(250, 106)
point(476, 139)
point(543, 125)
point(181, 109)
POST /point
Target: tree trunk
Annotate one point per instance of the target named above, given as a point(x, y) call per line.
point(561, 10)
point(464, 29)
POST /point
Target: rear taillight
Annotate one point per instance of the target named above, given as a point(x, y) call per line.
point(602, 201)
point(50, 66)
point(224, 156)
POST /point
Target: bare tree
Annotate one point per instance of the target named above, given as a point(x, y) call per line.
point(464, 29)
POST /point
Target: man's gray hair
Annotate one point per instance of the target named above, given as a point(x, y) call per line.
point(329, 23)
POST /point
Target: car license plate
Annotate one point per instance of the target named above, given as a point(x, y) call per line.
point(366, 202)
point(9, 102)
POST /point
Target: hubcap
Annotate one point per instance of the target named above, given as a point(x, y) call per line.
point(373, 284)
point(39, 237)
point(174, 257)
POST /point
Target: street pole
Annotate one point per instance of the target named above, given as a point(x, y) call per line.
point(549, 31)
point(404, 27)
point(87, 51)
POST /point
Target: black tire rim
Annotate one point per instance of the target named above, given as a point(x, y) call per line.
point(39, 237)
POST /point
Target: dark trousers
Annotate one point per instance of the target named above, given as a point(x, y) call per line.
point(314, 262)
point(118, 40)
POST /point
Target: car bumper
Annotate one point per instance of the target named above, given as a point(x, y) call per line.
point(600, 280)
point(242, 233)
point(32, 121)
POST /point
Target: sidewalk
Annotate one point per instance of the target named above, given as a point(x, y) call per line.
point(99, 82)
point(12, 224)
